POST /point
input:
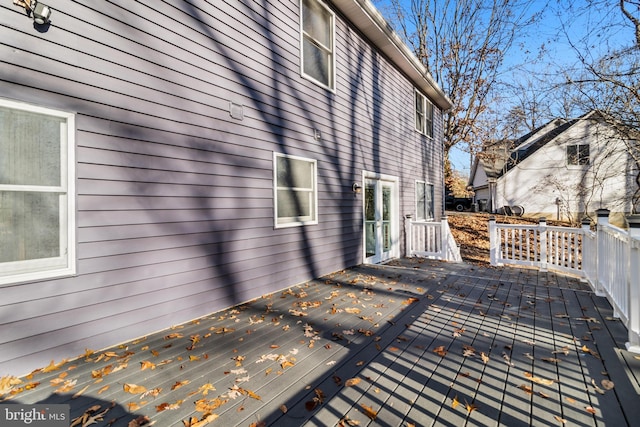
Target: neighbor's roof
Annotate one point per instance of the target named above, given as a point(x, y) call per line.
point(528, 144)
point(364, 15)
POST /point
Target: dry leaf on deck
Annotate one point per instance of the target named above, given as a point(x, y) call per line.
point(440, 351)
point(351, 382)
point(470, 407)
point(145, 364)
point(560, 420)
point(134, 389)
point(537, 380)
point(485, 358)
point(455, 402)
point(208, 405)
point(179, 384)
point(607, 384)
point(142, 420)
point(368, 411)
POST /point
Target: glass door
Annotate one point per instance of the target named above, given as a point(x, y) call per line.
point(380, 229)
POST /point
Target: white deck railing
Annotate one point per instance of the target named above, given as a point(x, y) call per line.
point(431, 240)
point(608, 259)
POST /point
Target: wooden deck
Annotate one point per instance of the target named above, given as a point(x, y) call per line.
point(413, 343)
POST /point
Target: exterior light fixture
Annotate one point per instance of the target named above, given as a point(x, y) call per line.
point(40, 12)
point(356, 188)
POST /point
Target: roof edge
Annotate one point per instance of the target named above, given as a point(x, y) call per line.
point(364, 15)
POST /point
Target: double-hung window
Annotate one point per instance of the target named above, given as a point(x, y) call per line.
point(37, 229)
point(296, 196)
point(578, 154)
point(317, 40)
point(424, 114)
point(424, 201)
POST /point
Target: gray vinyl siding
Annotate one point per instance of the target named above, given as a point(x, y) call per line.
point(174, 197)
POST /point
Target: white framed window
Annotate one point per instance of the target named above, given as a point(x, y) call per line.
point(317, 36)
point(295, 190)
point(37, 203)
point(424, 114)
point(578, 154)
point(424, 201)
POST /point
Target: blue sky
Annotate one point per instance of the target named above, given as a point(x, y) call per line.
point(560, 21)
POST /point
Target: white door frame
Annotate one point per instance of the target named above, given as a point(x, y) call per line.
point(380, 255)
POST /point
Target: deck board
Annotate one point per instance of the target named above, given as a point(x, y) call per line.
point(390, 338)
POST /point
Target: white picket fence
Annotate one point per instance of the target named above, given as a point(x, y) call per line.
point(608, 259)
point(431, 240)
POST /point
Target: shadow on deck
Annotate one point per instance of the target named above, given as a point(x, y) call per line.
point(411, 343)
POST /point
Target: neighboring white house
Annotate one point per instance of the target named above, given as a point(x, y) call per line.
point(563, 170)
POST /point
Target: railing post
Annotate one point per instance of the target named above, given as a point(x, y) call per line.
point(542, 229)
point(586, 229)
point(408, 240)
point(633, 286)
point(601, 268)
point(494, 244)
point(444, 241)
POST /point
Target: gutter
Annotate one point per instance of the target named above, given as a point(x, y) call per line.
point(364, 15)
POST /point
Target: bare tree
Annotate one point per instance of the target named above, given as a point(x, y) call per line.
point(463, 44)
point(610, 82)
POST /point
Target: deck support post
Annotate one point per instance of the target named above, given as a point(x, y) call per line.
point(633, 286)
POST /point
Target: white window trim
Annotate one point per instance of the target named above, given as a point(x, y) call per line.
point(23, 271)
point(314, 219)
point(425, 101)
point(425, 183)
point(304, 75)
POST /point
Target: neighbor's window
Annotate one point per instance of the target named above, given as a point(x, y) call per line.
point(295, 191)
point(578, 154)
point(424, 201)
point(36, 192)
point(424, 115)
point(317, 28)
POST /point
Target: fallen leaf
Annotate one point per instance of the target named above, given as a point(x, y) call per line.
point(440, 351)
point(470, 407)
point(537, 380)
point(147, 365)
point(455, 402)
point(283, 409)
point(168, 406)
point(142, 420)
point(526, 388)
point(205, 389)
point(79, 392)
point(485, 358)
point(54, 366)
point(607, 384)
point(179, 384)
point(134, 389)
point(351, 382)
point(560, 420)
point(369, 412)
point(590, 410)
point(208, 405)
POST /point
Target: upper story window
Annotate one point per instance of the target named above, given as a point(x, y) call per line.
point(424, 201)
point(317, 29)
point(296, 195)
point(37, 228)
point(424, 114)
point(578, 154)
